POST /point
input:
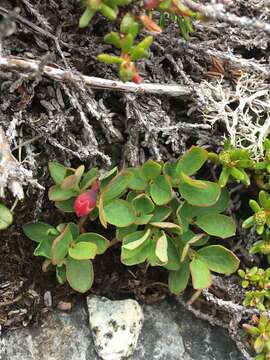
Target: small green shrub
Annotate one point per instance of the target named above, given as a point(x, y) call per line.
point(260, 336)
point(234, 161)
point(256, 281)
point(162, 215)
point(136, 19)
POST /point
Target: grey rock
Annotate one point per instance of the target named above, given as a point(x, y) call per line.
point(62, 336)
point(169, 333)
point(115, 325)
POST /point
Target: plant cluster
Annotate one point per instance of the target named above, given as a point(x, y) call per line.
point(138, 17)
point(160, 213)
point(260, 336)
point(234, 162)
point(257, 283)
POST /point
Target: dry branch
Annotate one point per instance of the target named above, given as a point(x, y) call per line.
point(217, 12)
point(58, 74)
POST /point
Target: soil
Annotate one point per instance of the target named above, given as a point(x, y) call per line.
point(120, 128)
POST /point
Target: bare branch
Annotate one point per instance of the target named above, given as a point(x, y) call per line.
point(217, 12)
point(55, 73)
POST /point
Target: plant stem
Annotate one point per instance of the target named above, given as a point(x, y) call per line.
point(113, 242)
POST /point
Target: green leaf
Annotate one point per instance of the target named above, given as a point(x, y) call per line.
point(160, 190)
point(217, 225)
point(259, 344)
point(60, 246)
point(122, 232)
point(116, 186)
point(219, 259)
point(143, 219)
point(150, 170)
point(189, 237)
point(66, 205)
point(122, 2)
point(101, 213)
point(58, 194)
point(248, 222)
point(161, 213)
point(6, 217)
point(190, 212)
point(169, 169)
point(107, 177)
point(94, 214)
point(193, 183)
point(173, 256)
point(61, 274)
point(143, 204)
point(126, 23)
point(136, 239)
point(38, 231)
point(201, 276)
point(126, 43)
point(237, 174)
point(174, 228)
point(254, 205)
point(86, 17)
point(119, 213)
point(206, 195)
point(192, 161)
point(75, 230)
point(57, 172)
point(80, 274)
point(134, 257)
point(264, 200)
point(108, 12)
point(138, 53)
point(89, 178)
point(44, 248)
point(83, 251)
point(178, 280)
point(69, 182)
point(100, 241)
point(113, 38)
point(109, 59)
point(141, 50)
point(145, 43)
point(161, 250)
point(224, 176)
point(136, 182)
point(131, 195)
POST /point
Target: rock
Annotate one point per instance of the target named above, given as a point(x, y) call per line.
point(115, 325)
point(63, 336)
point(169, 332)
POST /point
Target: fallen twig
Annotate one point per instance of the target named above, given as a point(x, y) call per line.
point(56, 73)
point(218, 12)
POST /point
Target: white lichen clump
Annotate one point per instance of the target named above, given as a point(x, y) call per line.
point(12, 174)
point(244, 109)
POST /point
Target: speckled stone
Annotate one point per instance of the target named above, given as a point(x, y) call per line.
point(115, 325)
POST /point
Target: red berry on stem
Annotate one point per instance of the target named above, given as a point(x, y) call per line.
point(85, 203)
point(137, 79)
point(151, 4)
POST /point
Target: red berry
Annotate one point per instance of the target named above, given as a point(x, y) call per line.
point(85, 203)
point(137, 79)
point(151, 4)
